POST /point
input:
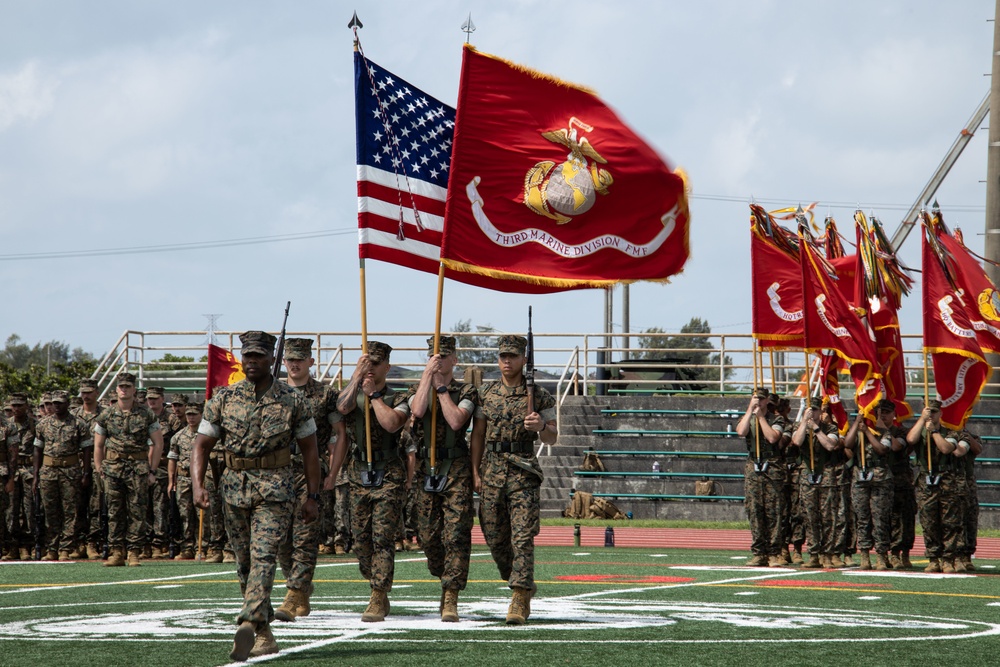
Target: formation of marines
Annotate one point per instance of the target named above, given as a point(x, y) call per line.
point(857, 493)
point(251, 472)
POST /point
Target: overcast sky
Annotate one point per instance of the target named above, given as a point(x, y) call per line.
point(128, 124)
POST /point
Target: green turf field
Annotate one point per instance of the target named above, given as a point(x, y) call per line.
point(594, 607)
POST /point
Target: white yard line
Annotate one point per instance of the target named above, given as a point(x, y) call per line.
point(783, 573)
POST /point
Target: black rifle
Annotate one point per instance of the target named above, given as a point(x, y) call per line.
point(174, 528)
point(39, 527)
point(529, 367)
point(280, 352)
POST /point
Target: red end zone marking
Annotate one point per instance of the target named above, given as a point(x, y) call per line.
point(623, 579)
point(827, 584)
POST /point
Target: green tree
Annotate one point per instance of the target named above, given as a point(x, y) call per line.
point(468, 354)
point(18, 354)
point(693, 350)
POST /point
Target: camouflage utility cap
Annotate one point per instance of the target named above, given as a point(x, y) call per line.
point(178, 399)
point(885, 405)
point(298, 348)
point(815, 402)
point(257, 342)
point(141, 393)
point(511, 344)
point(934, 404)
point(761, 392)
point(88, 384)
point(446, 345)
point(193, 409)
point(75, 401)
point(47, 397)
point(60, 396)
point(154, 392)
point(378, 351)
point(126, 378)
point(18, 398)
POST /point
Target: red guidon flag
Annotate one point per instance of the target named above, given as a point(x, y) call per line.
point(830, 381)
point(776, 285)
point(831, 324)
point(548, 186)
point(960, 368)
point(223, 369)
point(982, 303)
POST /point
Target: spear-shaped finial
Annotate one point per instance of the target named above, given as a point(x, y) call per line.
point(468, 28)
point(355, 23)
point(936, 208)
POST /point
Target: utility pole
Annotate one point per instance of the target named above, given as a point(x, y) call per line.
point(992, 226)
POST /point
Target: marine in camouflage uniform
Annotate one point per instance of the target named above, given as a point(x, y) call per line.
point(837, 506)
point(872, 490)
point(938, 489)
point(794, 524)
point(764, 478)
point(21, 512)
point(817, 438)
point(126, 462)
point(92, 534)
point(343, 541)
point(904, 508)
point(970, 496)
point(297, 554)
point(158, 545)
point(444, 511)
point(376, 510)
point(179, 479)
point(506, 473)
point(9, 441)
point(260, 418)
point(61, 440)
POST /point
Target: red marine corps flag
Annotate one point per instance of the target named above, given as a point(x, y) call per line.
point(549, 187)
point(223, 369)
point(960, 368)
point(776, 283)
point(831, 324)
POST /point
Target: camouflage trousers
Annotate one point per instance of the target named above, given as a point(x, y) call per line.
point(342, 515)
point(409, 528)
point(765, 504)
point(904, 511)
point(188, 513)
point(940, 509)
point(215, 537)
point(126, 489)
point(444, 525)
point(817, 533)
point(509, 518)
point(836, 509)
point(60, 489)
point(4, 506)
point(375, 521)
point(297, 553)
point(256, 533)
point(794, 525)
point(21, 512)
point(328, 528)
point(872, 505)
point(159, 509)
point(971, 513)
point(95, 534)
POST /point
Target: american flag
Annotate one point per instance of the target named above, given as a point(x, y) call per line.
point(404, 139)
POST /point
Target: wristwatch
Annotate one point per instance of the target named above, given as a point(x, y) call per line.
point(443, 389)
point(313, 496)
point(376, 394)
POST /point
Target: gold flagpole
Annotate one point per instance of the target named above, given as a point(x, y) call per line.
point(770, 352)
point(364, 350)
point(927, 431)
point(437, 350)
point(812, 445)
point(756, 425)
point(201, 530)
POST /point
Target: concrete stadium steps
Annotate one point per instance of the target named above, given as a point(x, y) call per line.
point(582, 415)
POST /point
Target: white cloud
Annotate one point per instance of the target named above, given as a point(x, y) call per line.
point(25, 95)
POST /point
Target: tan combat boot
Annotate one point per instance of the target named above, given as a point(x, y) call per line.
point(92, 552)
point(517, 612)
point(228, 557)
point(378, 607)
point(797, 556)
point(147, 551)
point(264, 643)
point(133, 559)
point(836, 561)
point(286, 612)
point(933, 565)
point(449, 606)
point(947, 566)
point(51, 555)
point(967, 561)
point(26, 554)
point(883, 563)
point(904, 557)
point(894, 561)
point(866, 561)
point(243, 642)
point(814, 561)
point(757, 561)
point(302, 607)
point(338, 549)
point(10, 554)
point(214, 556)
point(775, 561)
point(116, 558)
point(959, 564)
point(65, 555)
point(848, 560)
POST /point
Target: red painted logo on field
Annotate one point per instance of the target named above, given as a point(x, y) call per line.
point(792, 583)
point(623, 579)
